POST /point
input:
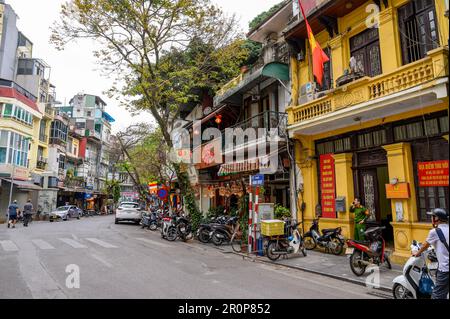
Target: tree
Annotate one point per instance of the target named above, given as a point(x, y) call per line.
point(160, 51)
point(264, 15)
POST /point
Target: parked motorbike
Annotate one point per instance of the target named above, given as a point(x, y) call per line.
point(368, 252)
point(150, 220)
point(406, 286)
point(331, 238)
point(291, 243)
point(223, 232)
point(205, 230)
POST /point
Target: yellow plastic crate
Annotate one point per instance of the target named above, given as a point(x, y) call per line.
point(272, 227)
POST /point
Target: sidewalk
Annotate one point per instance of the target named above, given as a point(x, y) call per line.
point(324, 264)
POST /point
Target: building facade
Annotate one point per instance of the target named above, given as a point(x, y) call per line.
point(378, 127)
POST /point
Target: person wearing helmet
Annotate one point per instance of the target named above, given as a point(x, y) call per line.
point(438, 237)
point(12, 212)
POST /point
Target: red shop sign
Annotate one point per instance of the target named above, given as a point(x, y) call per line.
point(432, 174)
point(328, 186)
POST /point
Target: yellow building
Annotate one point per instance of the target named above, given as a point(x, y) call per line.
point(376, 129)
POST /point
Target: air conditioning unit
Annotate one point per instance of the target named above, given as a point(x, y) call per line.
point(307, 93)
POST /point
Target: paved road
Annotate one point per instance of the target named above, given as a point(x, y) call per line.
point(124, 261)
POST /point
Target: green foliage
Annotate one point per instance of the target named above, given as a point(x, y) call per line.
point(264, 15)
point(281, 212)
point(214, 212)
point(254, 51)
point(112, 187)
point(243, 224)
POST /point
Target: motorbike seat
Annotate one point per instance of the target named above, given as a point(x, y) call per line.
point(362, 242)
point(328, 230)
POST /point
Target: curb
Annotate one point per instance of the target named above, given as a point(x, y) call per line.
point(353, 281)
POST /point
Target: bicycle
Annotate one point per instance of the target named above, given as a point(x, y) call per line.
point(236, 239)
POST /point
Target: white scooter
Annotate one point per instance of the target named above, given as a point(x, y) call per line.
point(406, 286)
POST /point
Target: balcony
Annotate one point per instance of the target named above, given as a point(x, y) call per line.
point(403, 87)
point(41, 163)
point(43, 138)
point(49, 110)
point(274, 130)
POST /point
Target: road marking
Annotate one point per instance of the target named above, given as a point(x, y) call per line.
point(100, 243)
point(41, 244)
point(8, 245)
point(103, 261)
point(152, 242)
point(72, 243)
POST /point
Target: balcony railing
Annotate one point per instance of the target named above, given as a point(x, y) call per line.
point(43, 138)
point(49, 110)
point(267, 121)
point(41, 163)
point(435, 65)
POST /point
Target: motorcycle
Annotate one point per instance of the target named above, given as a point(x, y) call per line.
point(291, 243)
point(331, 239)
point(406, 286)
point(205, 230)
point(150, 220)
point(223, 233)
point(176, 227)
point(368, 252)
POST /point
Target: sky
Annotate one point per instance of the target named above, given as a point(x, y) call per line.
point(74, 70)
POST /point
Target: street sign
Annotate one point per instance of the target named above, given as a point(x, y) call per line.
point(257, 180)
point(163, 193)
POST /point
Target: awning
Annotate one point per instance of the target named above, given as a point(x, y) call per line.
point(234, 95)
point(246, 166)
point(25, 185)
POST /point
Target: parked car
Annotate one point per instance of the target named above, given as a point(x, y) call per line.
point(128, 211)
point(66, 212)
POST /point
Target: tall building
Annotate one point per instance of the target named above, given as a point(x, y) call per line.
point(27, 98)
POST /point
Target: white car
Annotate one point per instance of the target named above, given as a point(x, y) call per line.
point(128, 211)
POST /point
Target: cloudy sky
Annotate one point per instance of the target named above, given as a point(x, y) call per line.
point(74, 69)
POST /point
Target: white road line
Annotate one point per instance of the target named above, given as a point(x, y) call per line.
point(41, 244)
point(152, 242)
point(100, 243)
point(8, 245)
point(103, 261)
point(72, 243)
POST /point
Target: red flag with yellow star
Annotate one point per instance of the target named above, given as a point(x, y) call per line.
point(318, 56)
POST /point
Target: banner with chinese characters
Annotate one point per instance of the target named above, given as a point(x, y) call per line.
point(328, 186)
point(433, 174)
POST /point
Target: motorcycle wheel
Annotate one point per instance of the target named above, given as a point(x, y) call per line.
point(310, 242)
point(357, 268)
point(401, 292)
point(303, 251)
point(203, 236)
point(236, 244)
point(272, 246)
point(153, 227)
point(216, 240)
point(172, 234)
point(338, 247)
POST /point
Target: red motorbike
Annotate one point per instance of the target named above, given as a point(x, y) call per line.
point(368, 252)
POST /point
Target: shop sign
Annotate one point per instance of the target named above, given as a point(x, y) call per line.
point(433, 174)
point(328, 184)
point(257, 180)
point(397, 191)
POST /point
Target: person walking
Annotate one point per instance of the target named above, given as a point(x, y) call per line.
point(27, 213)
point(361, 214)
point(12, 212)
point(438, 237)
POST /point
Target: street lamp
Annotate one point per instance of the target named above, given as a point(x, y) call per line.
point(12, 177)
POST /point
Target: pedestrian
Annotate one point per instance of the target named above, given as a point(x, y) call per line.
point(12, 212)
point(438, 237)
point(361, 214)
point(27, 213)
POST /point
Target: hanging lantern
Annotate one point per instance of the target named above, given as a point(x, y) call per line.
point(218, 119)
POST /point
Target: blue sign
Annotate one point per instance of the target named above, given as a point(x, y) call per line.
point(87, 196)
point(163, 193)
point(258, 180)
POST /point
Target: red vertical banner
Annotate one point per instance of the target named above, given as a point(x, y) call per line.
point(328, 186)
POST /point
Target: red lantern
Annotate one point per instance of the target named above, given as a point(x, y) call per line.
point(218, 119)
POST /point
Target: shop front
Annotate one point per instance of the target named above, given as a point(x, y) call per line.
point(398, 167)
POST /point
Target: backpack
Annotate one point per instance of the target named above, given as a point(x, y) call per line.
point(441, 237)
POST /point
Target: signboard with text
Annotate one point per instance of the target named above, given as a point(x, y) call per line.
point(433, 174)
point(328, 186)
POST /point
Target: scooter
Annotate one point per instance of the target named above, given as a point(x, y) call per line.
point(331, 239)
point(166, 224)
point(205, 230)
point(366, 253)
point(180, 227)
point(406, 286)
point(291, 243)
point(149, 220)
point(223, 233)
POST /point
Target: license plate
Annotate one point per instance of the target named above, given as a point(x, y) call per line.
point(349, 251)
point(182, 229)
